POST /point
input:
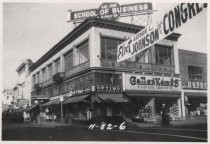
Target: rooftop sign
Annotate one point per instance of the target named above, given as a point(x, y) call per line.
point(110, 11)
point(168, 23)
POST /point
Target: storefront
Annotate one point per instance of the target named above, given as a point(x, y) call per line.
point(195, 94)
point(109, 103)
point(149, 92)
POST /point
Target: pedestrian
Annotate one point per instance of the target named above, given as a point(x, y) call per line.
point(165, 115)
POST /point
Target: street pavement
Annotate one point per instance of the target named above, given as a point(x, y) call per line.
point(190, 130)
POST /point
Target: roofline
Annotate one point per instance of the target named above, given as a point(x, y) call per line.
point(83, 27)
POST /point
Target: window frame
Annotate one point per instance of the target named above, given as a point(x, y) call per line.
point(81, 46)
point(201, 69)
point(71, 53)
point(105, 47)
point(172, 63)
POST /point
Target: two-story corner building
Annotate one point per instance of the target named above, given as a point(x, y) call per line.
point(193, 68)
point(22, 89)
point(83, 69)
point(8, 98)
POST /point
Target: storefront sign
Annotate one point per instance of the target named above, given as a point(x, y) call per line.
point(168, 23)
point(107, 89)
point(197, 85)
point(78, 92)
point(109, 11)
point(151, 83)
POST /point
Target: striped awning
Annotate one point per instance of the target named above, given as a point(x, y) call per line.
point(52, 102)
point(117, 98)
point(75, 99)
point(31, 107)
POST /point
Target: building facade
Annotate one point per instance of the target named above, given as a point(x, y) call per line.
point(22, 89)
point(8, 98)
point(82, 68)
point(193, 68)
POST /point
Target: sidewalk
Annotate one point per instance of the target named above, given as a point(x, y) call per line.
point(188, 122)
point(198, 122)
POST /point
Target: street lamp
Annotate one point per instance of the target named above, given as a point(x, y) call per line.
point(61, 100)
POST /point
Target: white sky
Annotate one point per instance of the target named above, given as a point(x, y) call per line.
point(31, 29)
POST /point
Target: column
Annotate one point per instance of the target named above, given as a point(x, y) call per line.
point(179, 107)
point(182, 105)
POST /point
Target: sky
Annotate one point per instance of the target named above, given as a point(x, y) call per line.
point(31, 29)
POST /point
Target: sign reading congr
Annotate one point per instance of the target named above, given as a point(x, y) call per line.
point(167, 24)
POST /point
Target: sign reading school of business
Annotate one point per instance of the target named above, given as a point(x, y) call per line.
point(110, 11)
point(140, 82)
point(167, 24)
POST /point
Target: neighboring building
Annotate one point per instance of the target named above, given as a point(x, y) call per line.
point(22, 89)
point(83, 69)
point(8, 98)
point(193, 68)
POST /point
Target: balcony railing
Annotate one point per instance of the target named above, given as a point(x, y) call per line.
point(47, 82)
point(58, 77)
point(136, 66)
point(78, 68)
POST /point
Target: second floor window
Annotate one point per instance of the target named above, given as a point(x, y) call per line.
point(50, 72)
point(68, 60)
point(143, 57)
point(57, 66)
point(195, 73)
point(109, 48)
point(44, 75)
point(37, 77)
point(81, 54)
point(164, 55)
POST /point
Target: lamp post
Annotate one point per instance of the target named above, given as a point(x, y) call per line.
point(61, 100)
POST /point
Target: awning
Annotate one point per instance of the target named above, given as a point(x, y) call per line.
point(118, 98)
point(195, 94)
point(52, 102)
point(158, 94)
point(31, 107)
point(40, 97)
point(76, 99)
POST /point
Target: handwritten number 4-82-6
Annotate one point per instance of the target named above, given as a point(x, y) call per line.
point(109, 126)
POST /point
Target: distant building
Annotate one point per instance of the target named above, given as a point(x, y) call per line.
point(8, 97)
point(22, 89)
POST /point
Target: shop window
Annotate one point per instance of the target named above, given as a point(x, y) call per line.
point(57, 66)
point(108, 79)
point(164, 55)
point(68, 60)
point(50, 72)
point(109, 48)
point(195, 72)
point(81, 54)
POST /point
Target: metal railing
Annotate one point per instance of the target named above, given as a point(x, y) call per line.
point(137, 66)
point(77, 69)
